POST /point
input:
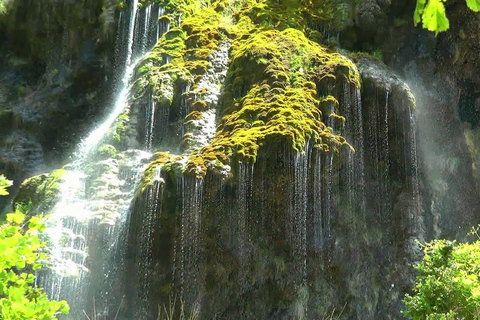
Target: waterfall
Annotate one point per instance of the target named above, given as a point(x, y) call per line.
point(95, 195)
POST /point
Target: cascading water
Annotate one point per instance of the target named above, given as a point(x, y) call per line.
point(190, 240)
point(96, 193)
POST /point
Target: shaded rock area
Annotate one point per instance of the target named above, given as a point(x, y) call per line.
point(442, 74)
point(56, 75)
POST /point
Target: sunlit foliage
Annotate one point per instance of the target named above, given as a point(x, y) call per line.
point(432, 14)
point(21, 253)
point(448, 282)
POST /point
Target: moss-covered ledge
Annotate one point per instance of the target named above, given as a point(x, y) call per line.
point(40, 193)
point(280, 83)
point(273, 92)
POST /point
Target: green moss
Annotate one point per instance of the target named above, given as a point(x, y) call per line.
point(107, 151)
point(41, 191)
point(163, 161)
point(116, 134)
point(272, 95)
point(275, 75)
point(186, 48)
point(376, 55)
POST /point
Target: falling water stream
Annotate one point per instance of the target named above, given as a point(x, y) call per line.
point(95, 194)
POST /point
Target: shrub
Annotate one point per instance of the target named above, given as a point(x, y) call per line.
point(447, 284)
point(21, 253)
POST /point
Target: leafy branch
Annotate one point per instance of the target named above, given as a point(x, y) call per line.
point(432, 14)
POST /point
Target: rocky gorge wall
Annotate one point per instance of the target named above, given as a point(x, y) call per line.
point(287, 180)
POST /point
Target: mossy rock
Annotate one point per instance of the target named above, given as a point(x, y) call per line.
point(106, 151)
point(160, 162)
point(272, 94)
point(278, 82)
point(41, 192)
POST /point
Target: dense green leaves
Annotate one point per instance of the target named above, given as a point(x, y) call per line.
point(21, 253)
point(432, 14)
point(447, 284)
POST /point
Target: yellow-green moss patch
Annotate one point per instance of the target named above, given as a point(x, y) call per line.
point(41, 189)
point(278, 86)
point(160, 161)
point(272, 93)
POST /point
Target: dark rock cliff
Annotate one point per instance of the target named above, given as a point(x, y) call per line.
point(57, 67)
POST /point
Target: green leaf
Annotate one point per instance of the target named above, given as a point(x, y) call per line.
point(21, 252)
point(419, 8)
point(434, 17)
point(474, 5)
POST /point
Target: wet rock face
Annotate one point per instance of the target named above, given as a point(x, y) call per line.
point(448, 155)
point(371, 17)
point(53, 33)
point(294, 233)
point(57, 64)
point(442, 74)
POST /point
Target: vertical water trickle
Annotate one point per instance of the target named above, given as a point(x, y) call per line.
point(146, 29)
point(353, 170)
point(319, 222)
point(150, 121)
point(150, 213)
point(417, 225)
point(241, 212)
point(328, 198)
point(160, 26)
point(242, 220)
point(297, 216)
point(377, 138)
point(191, 245)
point(316, 236)
point(146, 33)
point(414, 162)
point(385, 154)
point(131, 31)
point(358, 144)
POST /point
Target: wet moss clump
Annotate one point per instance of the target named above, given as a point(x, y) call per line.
point(40, 192)
point(278, 85)
point(273, 92)
point(161, 161)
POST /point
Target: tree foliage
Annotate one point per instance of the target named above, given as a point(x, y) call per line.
point(447, 284)
point(432, 14)
point(21, 253)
